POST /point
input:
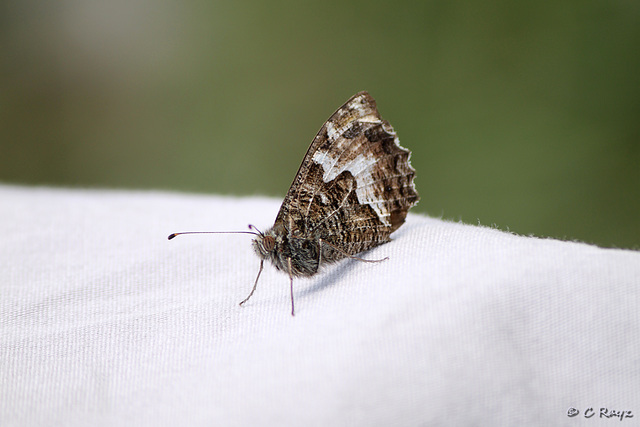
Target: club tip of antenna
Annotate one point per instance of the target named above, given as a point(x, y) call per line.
point(172, 235)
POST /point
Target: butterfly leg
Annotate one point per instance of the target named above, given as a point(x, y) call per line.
point(322, 242)
point(255, 284)
point(291, 285)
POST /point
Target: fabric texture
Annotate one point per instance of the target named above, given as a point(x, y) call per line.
point(104, 322)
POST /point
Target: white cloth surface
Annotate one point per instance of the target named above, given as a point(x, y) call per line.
point(104, 322)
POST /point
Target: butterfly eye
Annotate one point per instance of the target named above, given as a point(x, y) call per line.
point(269, 243)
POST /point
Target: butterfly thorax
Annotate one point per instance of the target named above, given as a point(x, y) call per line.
point(282, 248)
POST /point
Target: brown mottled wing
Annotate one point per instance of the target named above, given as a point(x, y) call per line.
point(355, 184)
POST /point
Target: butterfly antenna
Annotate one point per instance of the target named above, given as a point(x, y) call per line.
point(253, 227)
point(171, 236)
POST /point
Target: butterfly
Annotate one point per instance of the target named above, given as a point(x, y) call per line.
point(352, 190)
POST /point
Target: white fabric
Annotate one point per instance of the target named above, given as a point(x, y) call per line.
point(105, 322)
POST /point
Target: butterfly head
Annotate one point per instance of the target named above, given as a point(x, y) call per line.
point(264, 244)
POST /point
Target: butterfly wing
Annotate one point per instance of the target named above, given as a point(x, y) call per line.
point(355, 184)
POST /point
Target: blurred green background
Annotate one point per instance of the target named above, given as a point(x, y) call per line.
point(520, 115)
